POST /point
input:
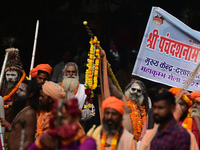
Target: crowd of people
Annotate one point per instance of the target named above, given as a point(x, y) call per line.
point(41, 113)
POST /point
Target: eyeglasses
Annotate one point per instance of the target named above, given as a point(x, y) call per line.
point(138, 90)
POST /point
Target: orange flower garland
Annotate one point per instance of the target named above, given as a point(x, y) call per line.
point(137, 119)
point(113, 144)
point(91, 74)
point(16, 87)
point(187, 123)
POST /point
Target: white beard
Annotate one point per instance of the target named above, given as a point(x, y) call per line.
point(70, 84)
point(137, 99)
point(195, 112)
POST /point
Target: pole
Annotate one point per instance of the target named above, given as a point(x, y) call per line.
point(3, 68)
point(59, 119)
point(34, 47)
point(2, 137)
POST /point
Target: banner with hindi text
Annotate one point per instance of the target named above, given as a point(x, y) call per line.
point(169, 51)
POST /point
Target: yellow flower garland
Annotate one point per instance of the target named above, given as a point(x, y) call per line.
point(91, 74)
point(187, 123)
point(113, 144)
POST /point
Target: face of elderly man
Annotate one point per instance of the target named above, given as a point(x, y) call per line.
point(134, 93)
point(71, 71)
point(195, 110)
point(11, 76)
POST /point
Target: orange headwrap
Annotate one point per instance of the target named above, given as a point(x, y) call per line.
point(114, 103)
point(55, 91)
point(43, 67)
point(195, 95)
point(185, 96)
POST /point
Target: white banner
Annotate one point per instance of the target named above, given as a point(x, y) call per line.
point(169, 51)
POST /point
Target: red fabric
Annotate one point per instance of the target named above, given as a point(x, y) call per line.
point(65, 131)
point(43, 67)
point(195, 131)
point(72, 107)
point(114, 103)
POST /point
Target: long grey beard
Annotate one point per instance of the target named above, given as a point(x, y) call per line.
point(70, 84)
point(137, 99)
point(195, 112)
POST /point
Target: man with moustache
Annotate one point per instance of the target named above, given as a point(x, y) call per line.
point(136, 101)
point(50, 93)
point(75, 89)
point(111, 134)
point(25, 107)
point(169, 134)
point(41, 73)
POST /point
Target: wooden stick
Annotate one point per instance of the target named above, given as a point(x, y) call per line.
point(187, 83)
point(3, 68)
point(34, 47)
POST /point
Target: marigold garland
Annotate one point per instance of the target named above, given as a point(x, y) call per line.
point(91, 74)
point(137, 119)
point(113, 144)
point(187, 123)
point(115, 82)
point(92, 71)
point(16, 87)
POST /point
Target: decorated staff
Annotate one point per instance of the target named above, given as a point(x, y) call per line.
point(59, 119)
point(97, 69)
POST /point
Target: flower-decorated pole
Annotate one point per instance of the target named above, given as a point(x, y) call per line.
point(89, 31)
point(92, 71)
point(97, 66)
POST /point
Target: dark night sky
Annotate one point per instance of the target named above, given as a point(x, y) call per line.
point(61, 23)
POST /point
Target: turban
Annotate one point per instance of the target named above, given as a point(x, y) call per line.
point(44, 67)
point(114, 103)
point(55, 91)
point(195, 95)
point(186, 97)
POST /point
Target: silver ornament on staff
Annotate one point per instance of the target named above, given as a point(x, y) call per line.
point(59, 118)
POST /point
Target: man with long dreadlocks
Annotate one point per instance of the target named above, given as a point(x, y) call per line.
point(137, 103)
